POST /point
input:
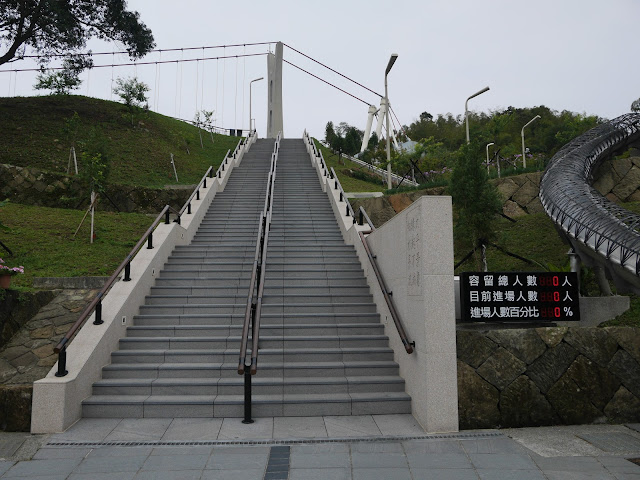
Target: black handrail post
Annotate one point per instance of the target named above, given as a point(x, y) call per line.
point(166, 218)
point(127, 273)
point(360, 218)
point(189, 209)
point(247, 397)
point(62, 363)
point(98, 319)
point(197, 196)
point(204, 183)
point(150, 241)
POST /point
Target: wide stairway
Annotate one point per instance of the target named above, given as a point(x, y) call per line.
point(322, 346)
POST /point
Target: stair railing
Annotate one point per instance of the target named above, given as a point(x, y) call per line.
point(343, 197)
point(253, 309)
point(96, 304)
point(408, 346)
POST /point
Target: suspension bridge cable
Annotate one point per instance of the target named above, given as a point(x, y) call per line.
point(328, 83)
point(138, 63)
point(334, 71)
point(91, 54)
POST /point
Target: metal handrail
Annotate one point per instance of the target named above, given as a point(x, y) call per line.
point(196, 192)
point(96, 304)
point(362, 216)
point(343, 196)
point(408, 346)
point(254, 309)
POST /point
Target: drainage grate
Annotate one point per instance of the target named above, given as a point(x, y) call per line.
point(290, 441)
point(278, 466)
point(613, 442)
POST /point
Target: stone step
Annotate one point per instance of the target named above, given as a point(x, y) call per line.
point(267, 319)
point(267, 330)
point(207, 355)
point(222, 370)
point(224, 406)
point(267, 299)
point(235, 385)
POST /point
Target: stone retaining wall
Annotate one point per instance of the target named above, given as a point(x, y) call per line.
point(28, 355)
point(618, 180)
point(17, 308)
point(548, 376)
point(31, 186)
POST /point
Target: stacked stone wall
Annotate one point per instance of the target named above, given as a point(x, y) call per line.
point(31, 186)
point(548, 376)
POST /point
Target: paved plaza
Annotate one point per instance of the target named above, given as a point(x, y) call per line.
point(362, 447)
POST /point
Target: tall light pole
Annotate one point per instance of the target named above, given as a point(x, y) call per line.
point(466, 112)
point(524, 159)
point(250, 83)
point(488, 145)
point(392, 60)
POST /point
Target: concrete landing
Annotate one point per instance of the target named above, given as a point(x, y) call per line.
point(363, 447)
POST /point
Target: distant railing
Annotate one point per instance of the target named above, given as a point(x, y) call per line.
point(96, 304)
point(378, 171)
point(253, 309)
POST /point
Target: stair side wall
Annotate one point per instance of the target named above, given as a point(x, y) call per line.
point(57, 401)
point(427, 308)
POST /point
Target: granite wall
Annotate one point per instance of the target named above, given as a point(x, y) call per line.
point(548, 376)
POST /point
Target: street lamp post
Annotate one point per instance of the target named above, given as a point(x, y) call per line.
point(392, 60)
point(250, 83)
point(524, 159)
point(488, 145)
point(466, 112)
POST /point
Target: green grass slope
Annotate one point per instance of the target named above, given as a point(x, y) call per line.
point(33, 135)
point(42, 240)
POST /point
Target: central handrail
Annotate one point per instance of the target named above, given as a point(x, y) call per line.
point(254, 308)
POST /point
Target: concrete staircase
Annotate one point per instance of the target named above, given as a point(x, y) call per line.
point(322, 347)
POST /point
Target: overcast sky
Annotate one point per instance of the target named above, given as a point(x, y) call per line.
point(578, 55)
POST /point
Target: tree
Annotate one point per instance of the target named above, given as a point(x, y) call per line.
point(133, 93)
point(61, 82)
point(635, 106)
point(477, 201)
point(62, 27)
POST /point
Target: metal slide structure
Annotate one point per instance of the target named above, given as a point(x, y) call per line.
point(602, 233)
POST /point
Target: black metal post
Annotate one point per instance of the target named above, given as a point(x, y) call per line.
point(219, 174)
point(166, 217)
point(347, 210)
point(360, 218)
point(210, 173)
point(189, 209)
point(150, 241)
point(204, 184)
point(340, 196)
point(127, 273)
point(247, 396)
point(98, 319)
point(198, 194)
point(62, 363)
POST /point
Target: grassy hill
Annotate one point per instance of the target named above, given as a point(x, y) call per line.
point(33, 135)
